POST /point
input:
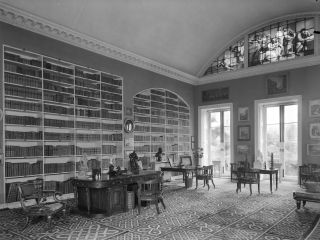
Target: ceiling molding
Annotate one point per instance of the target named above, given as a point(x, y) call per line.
point(262, 69)
point(44, 27)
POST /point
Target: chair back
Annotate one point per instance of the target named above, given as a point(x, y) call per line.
point(32, 189)
point(150, 189)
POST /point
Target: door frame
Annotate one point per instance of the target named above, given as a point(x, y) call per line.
point(203, 123)
point(258, 103)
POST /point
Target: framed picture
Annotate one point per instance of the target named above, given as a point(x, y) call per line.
point(244, 133)
point(215, 94)
point(243, 114)
point(170, 159)
point(314, 108)
point(314, 130)
point(313, 149)
point(277, 84)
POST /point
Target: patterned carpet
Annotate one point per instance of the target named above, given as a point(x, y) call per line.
point(191, 214)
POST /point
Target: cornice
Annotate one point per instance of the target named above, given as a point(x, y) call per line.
point(44, 27)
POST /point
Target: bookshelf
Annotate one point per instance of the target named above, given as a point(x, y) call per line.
point(54, 113)
point(162, 119)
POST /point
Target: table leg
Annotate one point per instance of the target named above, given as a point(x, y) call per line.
point(277, 180)
point(88, 200)
point(270, 182)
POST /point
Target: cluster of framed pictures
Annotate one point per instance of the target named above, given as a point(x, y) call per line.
point(313, 149)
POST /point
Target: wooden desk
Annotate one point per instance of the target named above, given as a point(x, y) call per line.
point(271, 173)
point(107, 196)
point(184, 170)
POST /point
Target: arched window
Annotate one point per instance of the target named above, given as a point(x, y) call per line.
point(231, 59)
point(279, 41)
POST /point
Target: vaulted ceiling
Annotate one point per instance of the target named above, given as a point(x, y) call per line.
point(172, 37)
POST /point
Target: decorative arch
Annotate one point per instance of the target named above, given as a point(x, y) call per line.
point(162, 120)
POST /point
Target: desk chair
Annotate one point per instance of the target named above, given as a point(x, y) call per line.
point(205, 173)
point(33, 200)
point(151, 192)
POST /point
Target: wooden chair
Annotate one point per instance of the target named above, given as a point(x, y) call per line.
point(246, 176)
point(205, 173)
point(35, 201)
point(151, 192)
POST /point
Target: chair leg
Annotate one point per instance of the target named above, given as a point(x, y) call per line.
point(27, 223)
point(196, 183)
point(214, 186)
point(250, 186)
point(207, 182)
point(157, 207)
point(161, 200)
point(49, 218)
point(139, 205)
point(204, 182)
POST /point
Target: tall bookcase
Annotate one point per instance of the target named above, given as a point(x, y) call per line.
point(54, 113)
point(162, 119)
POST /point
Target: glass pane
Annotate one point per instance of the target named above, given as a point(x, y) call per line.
point(273, 115)
point(290, 132)
point(290, 158)
point(291, 114)
point(215, 139)
point(226, 118)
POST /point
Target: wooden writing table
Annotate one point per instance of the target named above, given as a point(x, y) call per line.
point(186, 170)
point(271, 172)
point(107, 196)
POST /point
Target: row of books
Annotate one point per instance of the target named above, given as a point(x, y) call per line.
point(59, 150)
point(22, 92)
point(87, 102)
point(111, 149)
point(110, 80)
point(144, 148)
point(58, 136)
point(57, 77)
point(144, 111)
point(23, 135)
point(87, 84)
point(83, 74)
point(58, 109)
point(111, 97)
point(141, 138)
point(58, 123)
point(24, 70)
point(25, 106)
point(87, 92)
point(140, 128)
point(18, 58)
point(109, 88)
point(158, 120)
point(59, 98)
point(23, 120)
point(59, 167)
point(57, 87)
point(22, 80)
point(57, 68)
point(112, 106)
point(17, 151)
point(23, 168)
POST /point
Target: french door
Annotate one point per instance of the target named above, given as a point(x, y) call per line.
point(215, 135)
point(278, 123)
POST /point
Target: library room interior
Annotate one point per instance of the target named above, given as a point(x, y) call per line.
point(163, 119)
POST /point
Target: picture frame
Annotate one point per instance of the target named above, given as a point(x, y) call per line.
point(314, 108)
point(170, 159)
point(243, 114)
point(244, 133)
point(313, 149)
point(314, 130)
point(215, 94)
point(277, 84)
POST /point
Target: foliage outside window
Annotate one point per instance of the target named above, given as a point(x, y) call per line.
point(279, 41)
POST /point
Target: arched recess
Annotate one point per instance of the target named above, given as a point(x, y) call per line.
point(162, 120)
point(277, 40)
